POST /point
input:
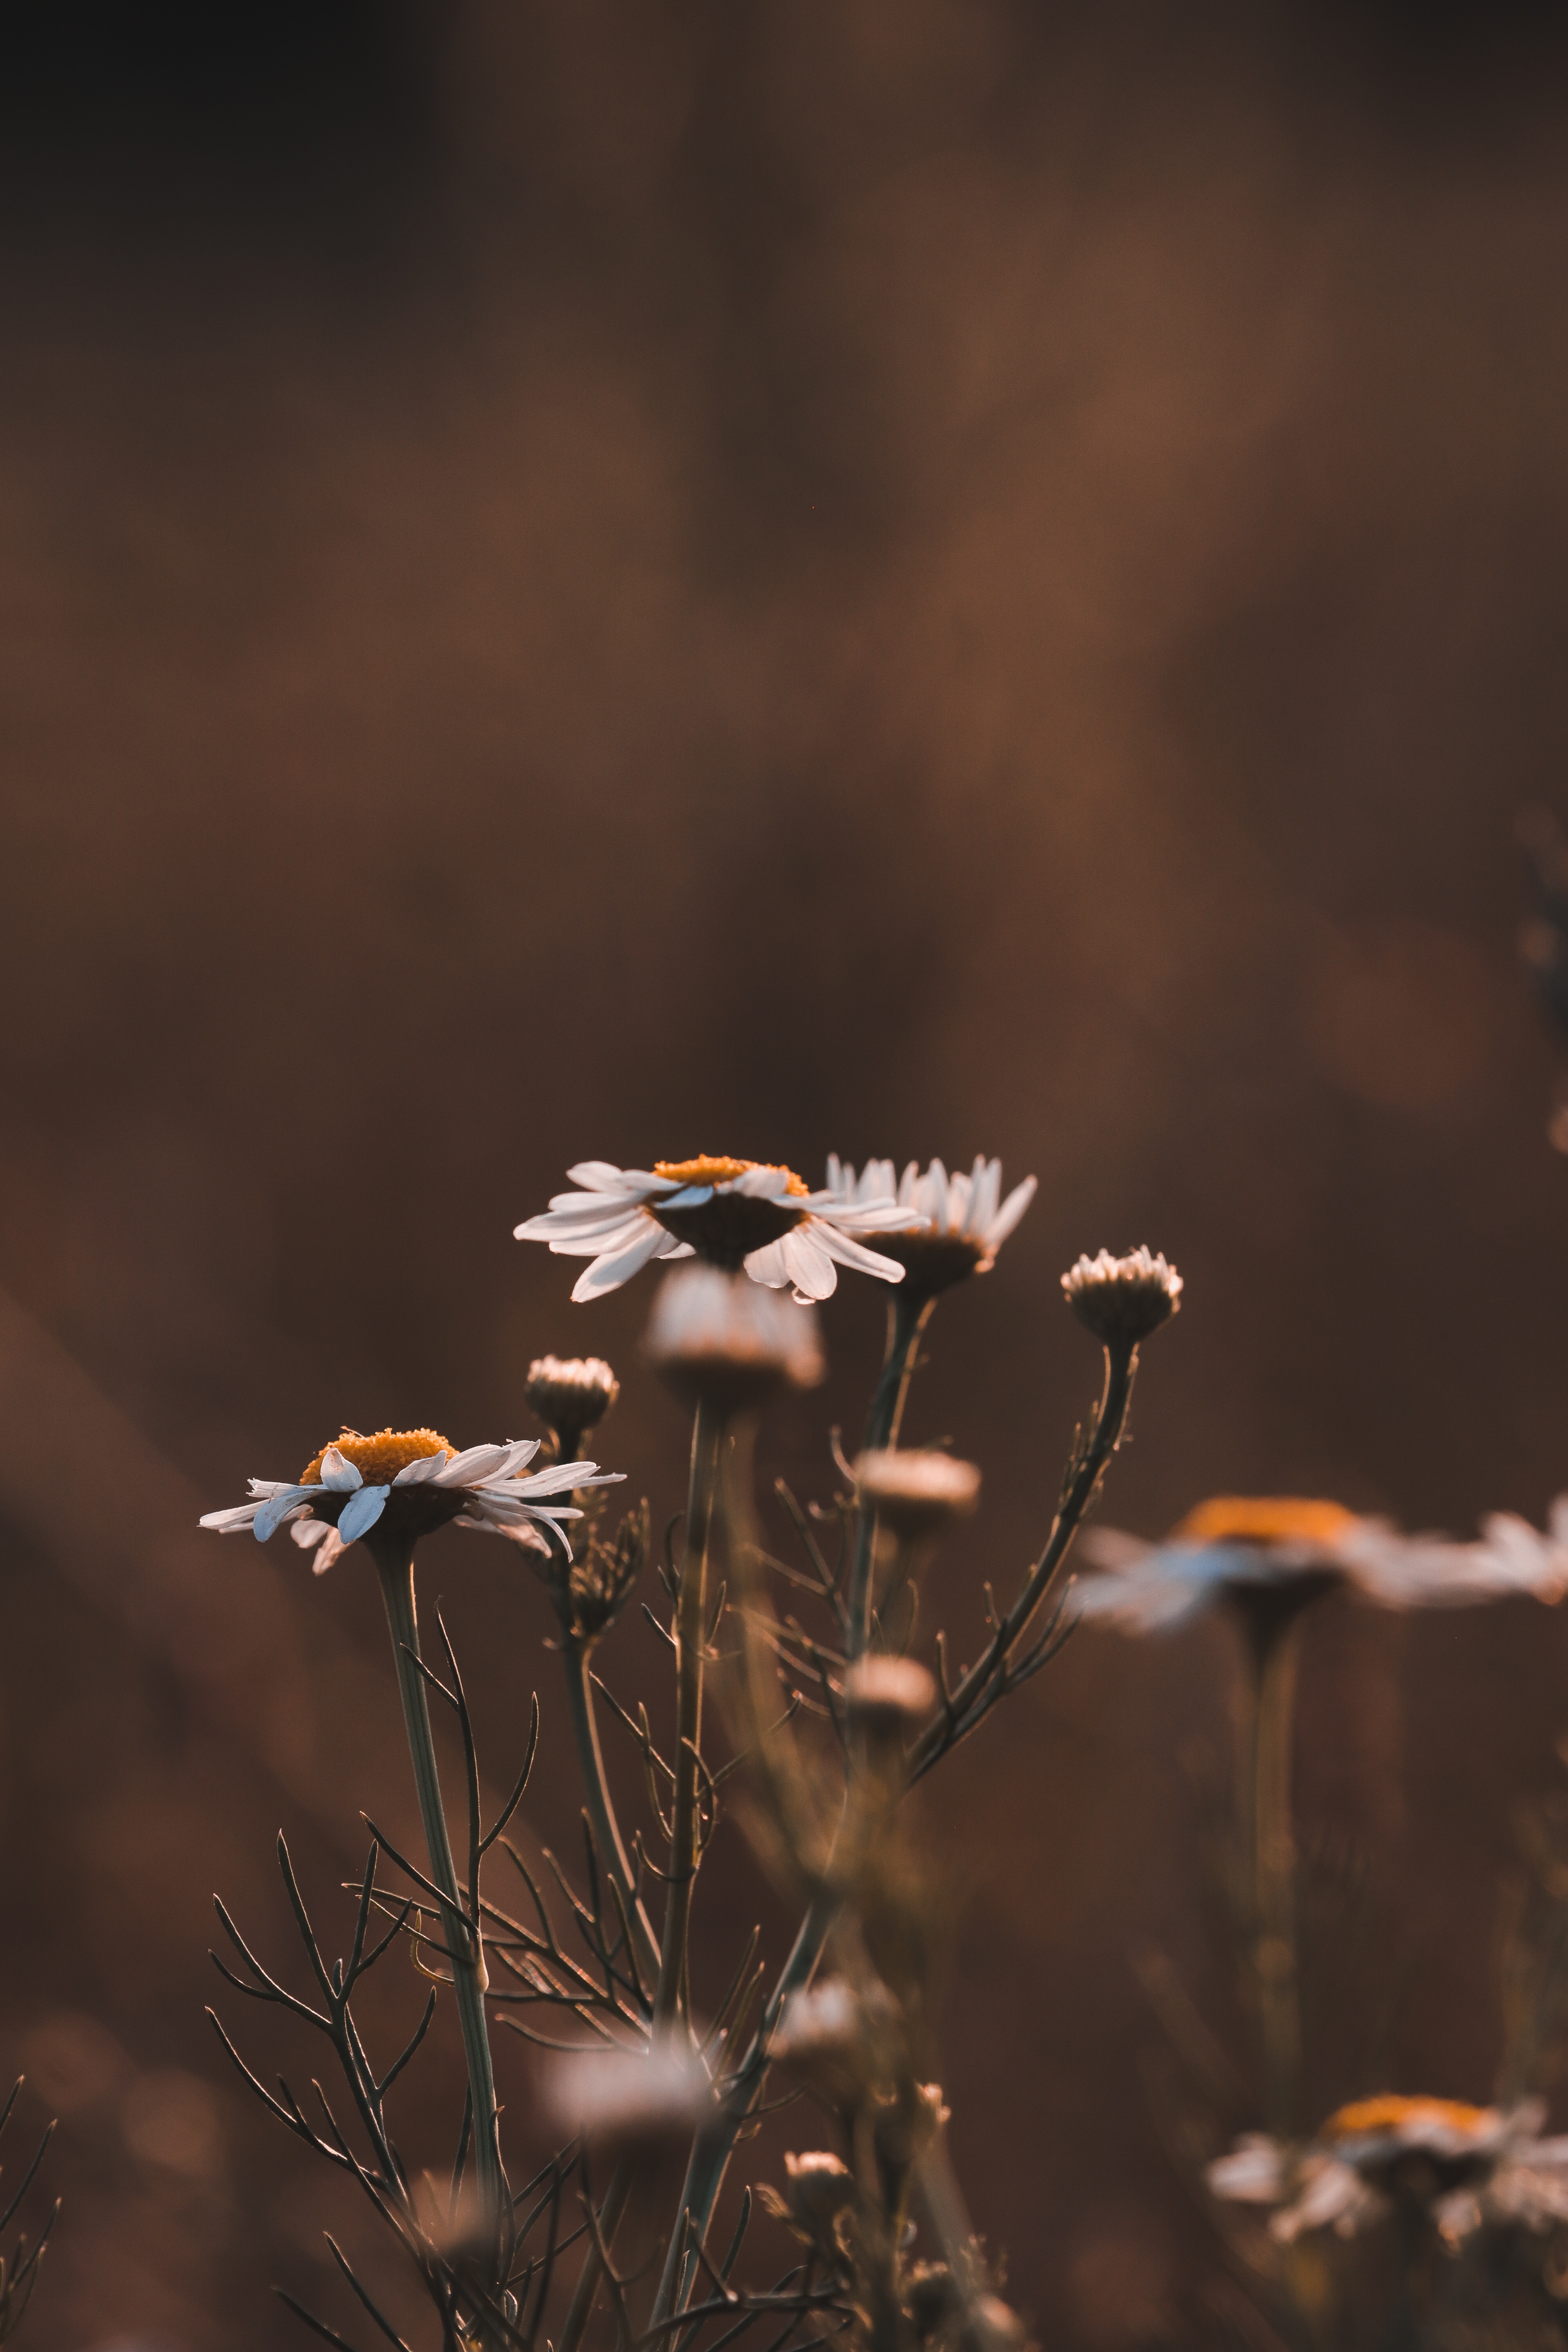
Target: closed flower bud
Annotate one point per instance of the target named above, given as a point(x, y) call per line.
point(571, 1395)
point(820, 2195)
point(915, 1493)
point(887, 1699)
point(1122, 1299)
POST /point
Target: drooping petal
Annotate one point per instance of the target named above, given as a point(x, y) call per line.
point(360, 1512)
point(769, 1266)
point(565, 1477)
point(231, 1523)
point(330, 1551)
point(837, 1244)
point(810, 1263)
point(608, 1273)
point(276, 1509)
point(338, 1472)
point(309, 1532)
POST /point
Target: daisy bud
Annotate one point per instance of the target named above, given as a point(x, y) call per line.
point(720, 1335)
point(887, 1699)
point(821, 2195)
point(571, 1395)
point(915, 1493)
point(1122, 1299)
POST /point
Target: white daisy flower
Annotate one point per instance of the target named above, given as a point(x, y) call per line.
point(1465, 2165)
point(1253, 1550)
point(409, 1482)
point(955, 1224)
point(733, 1213)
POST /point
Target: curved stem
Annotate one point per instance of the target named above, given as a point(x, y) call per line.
point(691, 1635)
point(907, 1315)
point(601, 1811)
point(586, 2293)
point(464, 1945)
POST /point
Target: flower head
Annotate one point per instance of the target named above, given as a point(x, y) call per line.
point(405, 1483)
point(889, 1697)
point(1463, 2164)
point(1278, 1552)
point(733, 1213)
point(571, 1395)
point(716, 1333)
point(956, 1225)
point(915, 1491)
point(1122, 1299)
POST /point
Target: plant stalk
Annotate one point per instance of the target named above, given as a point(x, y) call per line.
point(691, 1635)
point(463, 1940)
point(1270, 1846)
point(909, 1313)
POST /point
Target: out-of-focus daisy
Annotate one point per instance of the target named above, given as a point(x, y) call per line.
point(916, 1490)
point(1464, 2164)
point(1277, 1552)
point(955, 1224)
point(734, 1213)
point(717, 1334)
point(406, 1483)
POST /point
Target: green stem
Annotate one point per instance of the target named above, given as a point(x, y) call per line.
point(576, 1655)
point(909, 1314)
point(1270, 1848)
point(464, 1944)
point(691, 1633)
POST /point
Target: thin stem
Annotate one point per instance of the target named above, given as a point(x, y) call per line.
point(586, 2292)
point(1270, 1846)
point(711, 2150)
point(909, 1313)
point(612, 1850)
point(692, 1629)
point(464, 1944)
point(985, 1682)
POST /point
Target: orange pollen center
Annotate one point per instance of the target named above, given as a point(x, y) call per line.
point(379, 1459)
point(1391, 2113)
point(1266, 1520)
point(708, 1170)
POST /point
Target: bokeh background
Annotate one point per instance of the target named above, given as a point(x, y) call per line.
point(910, 576)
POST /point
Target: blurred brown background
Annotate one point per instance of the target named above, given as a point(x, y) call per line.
point(617, 580)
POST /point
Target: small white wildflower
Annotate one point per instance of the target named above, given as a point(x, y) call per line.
point(956, 1225)
point(733, 1213)
point(406, 1483)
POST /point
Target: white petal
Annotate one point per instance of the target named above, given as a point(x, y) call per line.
point(339, 1472)
point(768, 1267)
point(360, 1512)
point(231, 1523)
point(564, 1477)
point(810, 1264)
point(415, 1473)
point(307, 1532)
point(1008, 1216)
point(273, 1513)
point(838, 1244)
point(476, 1461)
point(608, 1273)
point(690, 1196)
point(330, 1551)
point(599, 1176)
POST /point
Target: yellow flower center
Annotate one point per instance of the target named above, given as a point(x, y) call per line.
point(1266, 1520)
point(1391, 2113)
point(708, 1170)
point(379, 1459)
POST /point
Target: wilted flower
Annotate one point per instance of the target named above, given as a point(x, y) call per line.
point(887, 1697)
point(718, 1334)
point(590, 1592)
point(914, 1492)
point(734, 1213)
point(956, 1224)
point(1465, 2165)
point(1283, 1551)
point(571, 1395)
point(406, 1483)
point(1122, 1299)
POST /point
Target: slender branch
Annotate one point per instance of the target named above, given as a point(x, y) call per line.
point(909, 1313)
point(575, 1655)
point(691, 1623)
